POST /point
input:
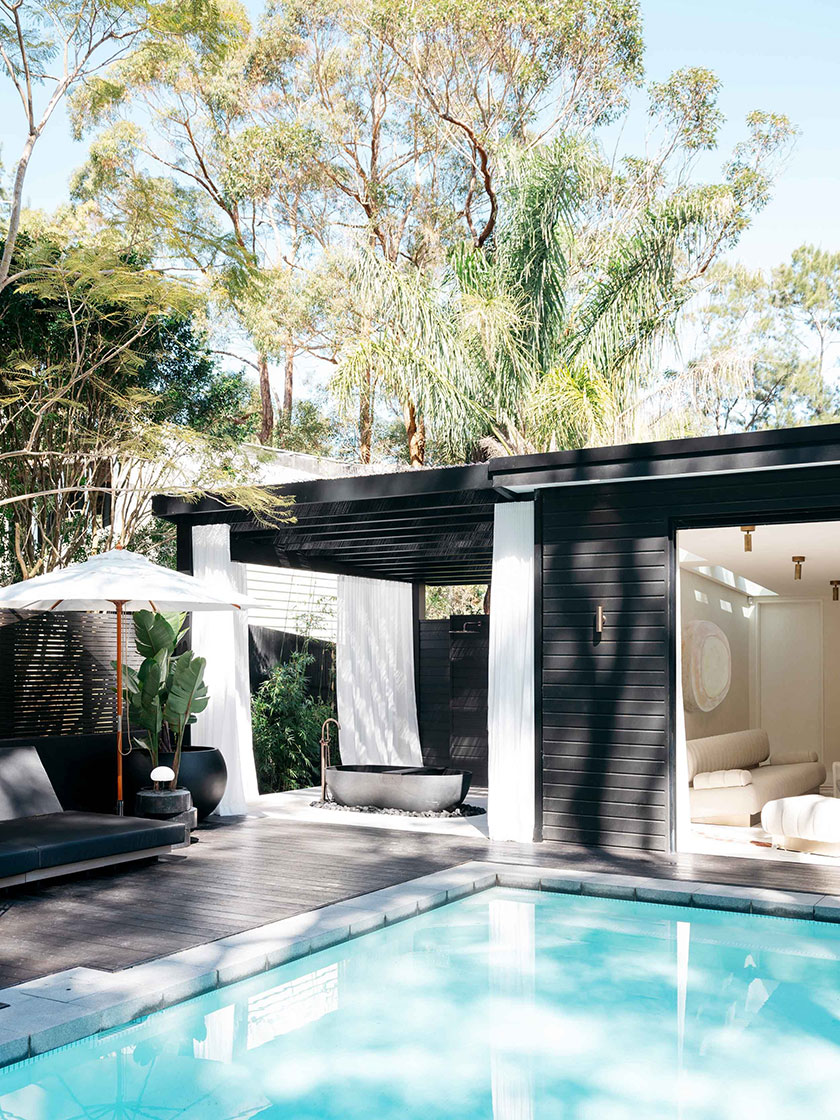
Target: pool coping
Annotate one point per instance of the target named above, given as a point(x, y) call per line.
point(41, 1015)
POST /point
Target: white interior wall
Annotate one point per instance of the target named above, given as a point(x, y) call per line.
point(705, 600)
point(790, 667)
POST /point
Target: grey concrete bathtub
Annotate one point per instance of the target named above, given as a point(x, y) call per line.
point(416, 789)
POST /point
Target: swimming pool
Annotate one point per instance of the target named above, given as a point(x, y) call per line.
point(507, 1005)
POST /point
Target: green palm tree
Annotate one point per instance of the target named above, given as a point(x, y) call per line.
point(547, 337)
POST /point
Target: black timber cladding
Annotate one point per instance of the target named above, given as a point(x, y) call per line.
point(433, 691)
point(608, 706)
point(58, 677)
point(452, 693)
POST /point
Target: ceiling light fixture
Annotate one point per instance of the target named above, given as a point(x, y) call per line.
point(835, 589)
point(798, 561)
point(748, 531)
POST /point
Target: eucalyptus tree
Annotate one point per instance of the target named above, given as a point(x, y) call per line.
point(806, 292)
point(494, 73)
point(410, 108)
point(94, 416)
point(180, 165)
point(763, 346)
point(50, 48)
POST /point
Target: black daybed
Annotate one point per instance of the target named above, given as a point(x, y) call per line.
point(38, 839)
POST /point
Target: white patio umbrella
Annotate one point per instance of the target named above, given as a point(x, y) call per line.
point(124, 580)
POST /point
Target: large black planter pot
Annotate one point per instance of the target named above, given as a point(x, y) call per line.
point(203, 773)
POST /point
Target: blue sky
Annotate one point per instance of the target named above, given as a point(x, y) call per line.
point(773, 55)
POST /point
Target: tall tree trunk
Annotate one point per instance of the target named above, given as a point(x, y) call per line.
point(266, 407)
point(366, 421)
point(415, 431)
point(16, 209)
point(289, 379)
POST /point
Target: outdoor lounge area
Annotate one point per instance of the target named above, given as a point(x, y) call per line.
point(419, 560)
point(594, 810)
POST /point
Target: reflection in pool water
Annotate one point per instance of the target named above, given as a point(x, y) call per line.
point(505, 1006)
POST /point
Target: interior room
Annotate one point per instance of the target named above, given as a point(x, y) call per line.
point(758, 715)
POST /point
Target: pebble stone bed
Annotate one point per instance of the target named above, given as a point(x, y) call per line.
point(461, 811)
point(70, 1005)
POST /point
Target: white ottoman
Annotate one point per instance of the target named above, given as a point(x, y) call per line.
point(804, 824)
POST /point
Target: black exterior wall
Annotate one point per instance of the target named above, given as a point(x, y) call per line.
point(452, 693)
point(608, 705)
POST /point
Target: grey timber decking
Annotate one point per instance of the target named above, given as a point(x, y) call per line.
point(256, 871)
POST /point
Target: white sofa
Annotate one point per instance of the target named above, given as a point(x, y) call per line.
point(732, 776)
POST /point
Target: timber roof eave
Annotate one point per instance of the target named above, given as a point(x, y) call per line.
point(813, 445)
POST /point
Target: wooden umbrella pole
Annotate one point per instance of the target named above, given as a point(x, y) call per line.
point(119, 607)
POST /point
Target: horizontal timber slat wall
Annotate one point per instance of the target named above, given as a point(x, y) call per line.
point(433, 697)
point(57, 677)
point(607, 706)
point(452, 696)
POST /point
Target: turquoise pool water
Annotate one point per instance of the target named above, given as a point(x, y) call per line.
point(509, 1005)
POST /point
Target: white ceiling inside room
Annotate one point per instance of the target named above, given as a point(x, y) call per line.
point(768, 569)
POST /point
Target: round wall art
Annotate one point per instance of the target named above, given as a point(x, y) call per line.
point(706, 666)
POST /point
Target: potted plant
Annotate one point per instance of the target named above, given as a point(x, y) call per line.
point(163, 697)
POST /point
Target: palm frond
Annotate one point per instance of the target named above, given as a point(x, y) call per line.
point(623, 318)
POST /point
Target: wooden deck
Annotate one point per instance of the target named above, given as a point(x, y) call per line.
point(242, 875)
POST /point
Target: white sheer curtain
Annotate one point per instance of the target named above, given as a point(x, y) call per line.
point(682, 830)
point(222, 637)
point(510, 717)
point(377, 707)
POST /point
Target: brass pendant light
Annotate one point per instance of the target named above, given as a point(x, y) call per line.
point(835, 589)
point(748, 531)
point(798, 561)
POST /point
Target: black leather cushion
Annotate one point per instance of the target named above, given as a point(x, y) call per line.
point(72, 837)
point(16, 856)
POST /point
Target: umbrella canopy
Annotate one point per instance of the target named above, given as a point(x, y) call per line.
point(118, 576)
point(124, 580)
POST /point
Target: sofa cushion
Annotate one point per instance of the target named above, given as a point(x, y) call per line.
point(737, 750)
point(805, 818)
point(788, 758)
point(25, 789)
point(16, 856)
point(771, 782)
point(719, 779)
point(61, 838)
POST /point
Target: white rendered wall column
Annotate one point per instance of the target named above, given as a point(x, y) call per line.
point(510, 714)
point(222, 638)
point(377, 704)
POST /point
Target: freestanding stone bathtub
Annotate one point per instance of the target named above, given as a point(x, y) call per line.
point(414, 789)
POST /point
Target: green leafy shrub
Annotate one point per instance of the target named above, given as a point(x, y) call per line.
point(287, 727)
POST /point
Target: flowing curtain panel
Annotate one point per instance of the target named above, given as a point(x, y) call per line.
point(510, 716)
point(377, 705)
point(222, 638)
point(683, 809)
